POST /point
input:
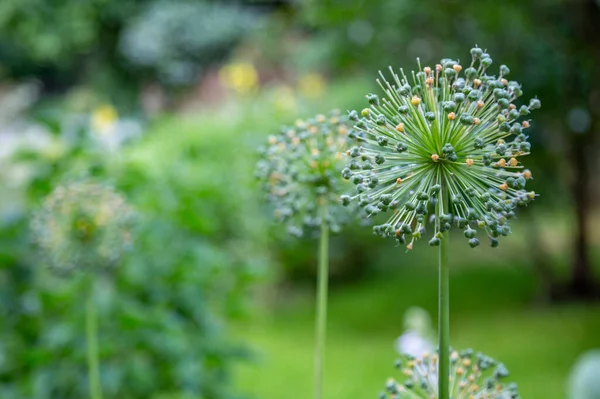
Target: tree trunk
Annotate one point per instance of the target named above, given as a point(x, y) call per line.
point(582, 277)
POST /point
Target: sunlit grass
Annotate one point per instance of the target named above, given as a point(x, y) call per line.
point(492, 311)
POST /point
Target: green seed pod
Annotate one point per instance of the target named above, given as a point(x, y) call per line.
point(476, 52)
point(534, 103)
point(473, 242)
point(382, 141)
point(449, 106)
point(401, 147)
point(459, 98)
point(471, 73)
point(474, 95)
point(434, 242)
point(405, 90)
point(373, 99)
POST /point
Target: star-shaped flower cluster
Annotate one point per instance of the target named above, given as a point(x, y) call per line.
point(300, 171)
point(471, 377)
point(445, 146)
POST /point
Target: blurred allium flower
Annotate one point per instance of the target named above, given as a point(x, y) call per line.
point(419, 335)
point(452, 133)
point(83, 225)
point(583, 381)
point(473, 377)
point(300, 169)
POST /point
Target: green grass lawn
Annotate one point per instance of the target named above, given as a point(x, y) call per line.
point(493, 310)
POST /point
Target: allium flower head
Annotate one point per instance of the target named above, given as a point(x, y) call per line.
point(471, 377)
point(83, 226)
point(300, 171)
point(448, 132)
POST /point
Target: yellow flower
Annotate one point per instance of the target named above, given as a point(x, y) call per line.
point(311, 85)
point(104, 118)
point(241, 77)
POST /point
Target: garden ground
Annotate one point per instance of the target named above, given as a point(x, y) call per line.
point(493, 310)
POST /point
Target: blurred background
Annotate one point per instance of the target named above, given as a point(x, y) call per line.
point(168, 100)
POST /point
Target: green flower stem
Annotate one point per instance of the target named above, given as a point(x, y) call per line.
point(443, 308)
point(321, 312)
point(91, 329)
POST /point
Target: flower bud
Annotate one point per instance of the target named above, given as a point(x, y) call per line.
point(373, 99)
point(434, 242)
point(473, 242)
point(471, 73)
point(476, 52)
point(404, 90)
point(534, 103)
point(403, 109)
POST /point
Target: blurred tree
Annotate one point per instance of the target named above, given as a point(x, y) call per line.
point(117, 45)
point(553, 46)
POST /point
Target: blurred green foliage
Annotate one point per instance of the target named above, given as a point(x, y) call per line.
point(161, 329)
point(116, 46)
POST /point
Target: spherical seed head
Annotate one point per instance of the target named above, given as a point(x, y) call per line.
point(301, 170)
point(459, 154)
point(476, 376)
point(83, 226)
